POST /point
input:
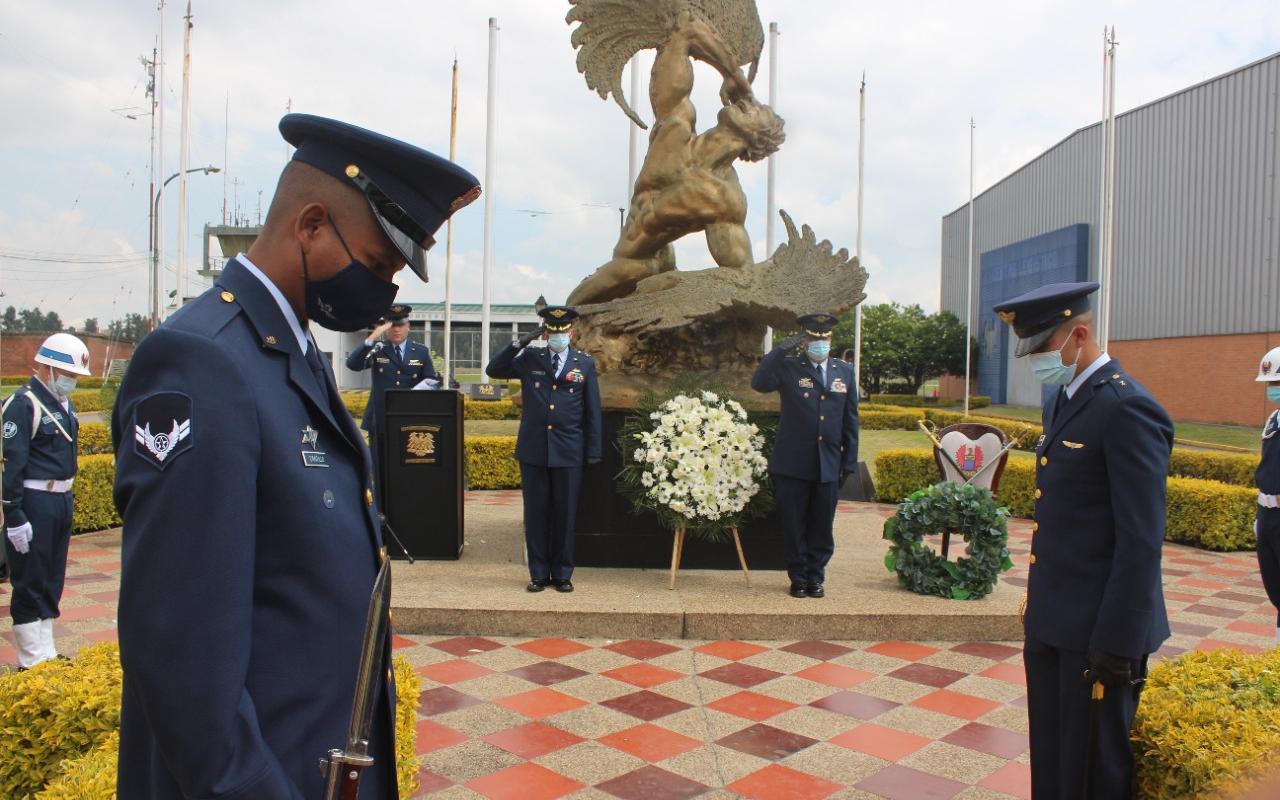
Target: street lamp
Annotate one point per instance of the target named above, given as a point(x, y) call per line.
point(156, 244)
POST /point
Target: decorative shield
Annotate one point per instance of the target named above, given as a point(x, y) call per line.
point(971, 446)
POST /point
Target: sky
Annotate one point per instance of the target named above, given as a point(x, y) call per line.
point(73, 213)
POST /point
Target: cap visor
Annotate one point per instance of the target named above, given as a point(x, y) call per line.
point(1033, 343)
point(415, 255)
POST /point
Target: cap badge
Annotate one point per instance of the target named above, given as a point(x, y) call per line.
point(1066, 312)
point(557, 313)
point(1266, 367)
point(1007, 317)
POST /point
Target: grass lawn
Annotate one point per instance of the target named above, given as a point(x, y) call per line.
point(492, 427)
point(1231, 435)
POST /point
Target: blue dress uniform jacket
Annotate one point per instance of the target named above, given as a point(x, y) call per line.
point(817, 435)
point(390, 372)
point(251, 543)
point(1094, 580)
point(1267, 476)
point(560, 419)
point(46, 455)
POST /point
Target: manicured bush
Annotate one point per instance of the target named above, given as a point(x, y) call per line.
point(491, 462)
point(89, 401)
point(356, 401)
point(60, 720)
point(94, 438)
point(975, 401)
point(1208, 721)
point(82, 381)
point(903, 419)
point(1233, 468)
point(900, 473)
point(94, 508)
point(490, 409)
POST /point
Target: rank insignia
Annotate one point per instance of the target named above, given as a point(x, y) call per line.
point(838, 385)
point(162, 428)
point(806, 383)
point(310, 436)
point(1072, 445)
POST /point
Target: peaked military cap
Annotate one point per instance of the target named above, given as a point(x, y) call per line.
point(398, 313)
point(558, 318)
point(410, 190)
point(1034, 316)
point(819, 325)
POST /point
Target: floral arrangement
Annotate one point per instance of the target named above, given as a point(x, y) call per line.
point(696, 462)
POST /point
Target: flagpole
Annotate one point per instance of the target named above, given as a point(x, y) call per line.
point(862, 138)
point(183, 156)
point(448, 247)
point(968, 306)
point(771, 204)
point(490, 124)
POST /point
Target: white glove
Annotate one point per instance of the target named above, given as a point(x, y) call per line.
point(21, 537)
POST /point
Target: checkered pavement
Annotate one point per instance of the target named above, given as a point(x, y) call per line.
point(556, 718)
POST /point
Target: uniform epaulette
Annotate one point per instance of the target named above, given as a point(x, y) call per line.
point(207, 314)
point(1120, 383)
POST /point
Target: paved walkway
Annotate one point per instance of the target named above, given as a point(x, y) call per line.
point(638, 719)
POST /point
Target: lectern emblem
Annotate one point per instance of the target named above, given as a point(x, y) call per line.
point(421, 443)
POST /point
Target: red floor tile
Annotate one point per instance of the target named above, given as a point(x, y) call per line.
point(454, 671)
point(552, 648)
point(442, 700)
point(823, 651)
point(641, 649)
point(965, 706)
point(991, 650)
point(532, 740)
point(463, 646)
point(541, 703)
point(907, 651)
point(527, 781)
point(766, 741)
point(741, 675)
point(77, 613)
point(752, 706)
point(834, 675)
point(927, 675)
point(1010, 673)
point(896, 782)
point(652, 783)
point(1252, 627)
point(853, 704)
point(433, 736)
point(776, 782)
point(650, 742)
point(987, 739)
point(731, 651)
point(399, 642)
point(646, 676)
point(547, 673)
point(876, 740)
point(1217, 644)
point(646, 705)
point(1013, 778)
point(429, 783)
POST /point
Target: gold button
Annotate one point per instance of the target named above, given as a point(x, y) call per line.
point(821, 418)
point(1115, 375)
point(552, 407)
point(382, 556)
point(1044, 461)
point(368, 497)
point(548, 427)
point(819, 437)
point(1033, 558)
point(824, 397)
point(1035, 526)
point(227, 297)
point(1038, 493)
point(553, 387)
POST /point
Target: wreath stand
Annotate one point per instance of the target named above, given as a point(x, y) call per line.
point(677, 552)
point(967, 433)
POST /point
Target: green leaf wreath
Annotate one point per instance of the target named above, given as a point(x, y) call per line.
point(639, 479)
point(965, 510)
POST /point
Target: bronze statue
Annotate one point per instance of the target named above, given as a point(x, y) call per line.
point(687, 183)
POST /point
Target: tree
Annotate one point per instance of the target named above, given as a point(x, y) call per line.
point(130, 329)
point(905, 344)
point(10, 320)
point(883, 336)
point(91, 325)
point(52, 322)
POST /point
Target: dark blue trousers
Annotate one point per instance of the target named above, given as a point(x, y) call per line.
point(1269, 554)
point(550, 514)
point(1058, 709)
point(39, 574)
point(807, 510)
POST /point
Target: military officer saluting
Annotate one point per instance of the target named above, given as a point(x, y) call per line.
point(1095, 607)
point(40, 440)
point(559, 430)
point(251, 536)
point(397, 363)
point(815, 448)
point(1267, 525)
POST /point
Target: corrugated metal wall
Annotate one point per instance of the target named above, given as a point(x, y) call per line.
point(1197, 210)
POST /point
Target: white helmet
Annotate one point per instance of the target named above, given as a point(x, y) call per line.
point(65, 352)
point(1269, 367)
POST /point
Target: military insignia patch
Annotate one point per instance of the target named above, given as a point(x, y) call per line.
point(806, 383)
point(162, 428)
point(575, 376)
point(10, 429)
point(838, 385)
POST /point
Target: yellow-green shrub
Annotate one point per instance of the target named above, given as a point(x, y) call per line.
point(490, 409)
point(94, 438)
point(902, 419)
point(1207, 722)
point(89, 777)
point(356, 401)
point(54, 711)
point(1027, 433)
point(491, 462)
point(975, 401)
point(94, 508)
point(408, 692)
point(1230, 468)
point(82, 381)
point(901, 472)
point(88, 401)
point(1210, 514)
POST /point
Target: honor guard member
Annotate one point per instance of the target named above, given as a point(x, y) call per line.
point(397, 363)
point(1267, 525)
point(1095, 608)
point(251, 536)
point(40, 431)
point(815, 448)
point(559, 430)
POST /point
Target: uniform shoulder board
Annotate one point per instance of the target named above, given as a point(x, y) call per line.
point(1119, 382)
point(208, 314)
point(586, 356)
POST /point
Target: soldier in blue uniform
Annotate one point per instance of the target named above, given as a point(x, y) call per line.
point(1267, 525)
point(40, 434)
point(559, 430)
point(251, 536)
point(1095, 607)
point(397, 363)
point(815, 448)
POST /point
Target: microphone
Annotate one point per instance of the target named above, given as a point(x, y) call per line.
point(378, 345)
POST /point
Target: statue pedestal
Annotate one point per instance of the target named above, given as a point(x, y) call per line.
point(609, 534)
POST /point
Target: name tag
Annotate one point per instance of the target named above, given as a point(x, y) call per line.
point(313, 458)
point(382, 360)
point(415, 362)
point(538, 371)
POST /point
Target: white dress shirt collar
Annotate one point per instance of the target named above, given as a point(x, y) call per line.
point(1079, 380)
point(299, 333)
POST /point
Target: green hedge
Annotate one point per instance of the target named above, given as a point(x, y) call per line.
point(975, 401)
point(491, 462)
point(1237, 470)
point(94, 438)
point(95, 509)
point(1207, 514)
point(1208, 723)
point(357, 399)
point(903, 419)
point(82, 381)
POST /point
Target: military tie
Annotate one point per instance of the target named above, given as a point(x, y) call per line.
point(1059, 401)
point(555, 365)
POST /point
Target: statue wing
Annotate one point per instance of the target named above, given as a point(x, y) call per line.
point(610, 32)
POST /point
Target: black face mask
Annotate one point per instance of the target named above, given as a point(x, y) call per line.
point(351, 300)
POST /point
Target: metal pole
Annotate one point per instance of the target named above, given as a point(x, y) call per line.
point(183, 156)
point(633, 131)
point(226, 173)
point(862, 138)
point(151, 199)
point(490, 123)
point(1109, 299)
point(968, 305)
point(771, 205)
point(1101, 232)
point(157, 261)
point(448, 247)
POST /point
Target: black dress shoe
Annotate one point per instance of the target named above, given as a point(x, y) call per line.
point(565, 586)
point(798, 590)
point(816, 590)
point(536, 586)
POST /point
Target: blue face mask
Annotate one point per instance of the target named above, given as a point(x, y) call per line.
point(1049, 368)
point(1273, 394)
point(558, 342)
point(818, 351)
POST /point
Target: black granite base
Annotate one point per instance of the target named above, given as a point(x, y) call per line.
point(609, 534)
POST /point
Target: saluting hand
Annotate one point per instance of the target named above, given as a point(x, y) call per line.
point(381, 329)
point(523, 341)
point(791, 342)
